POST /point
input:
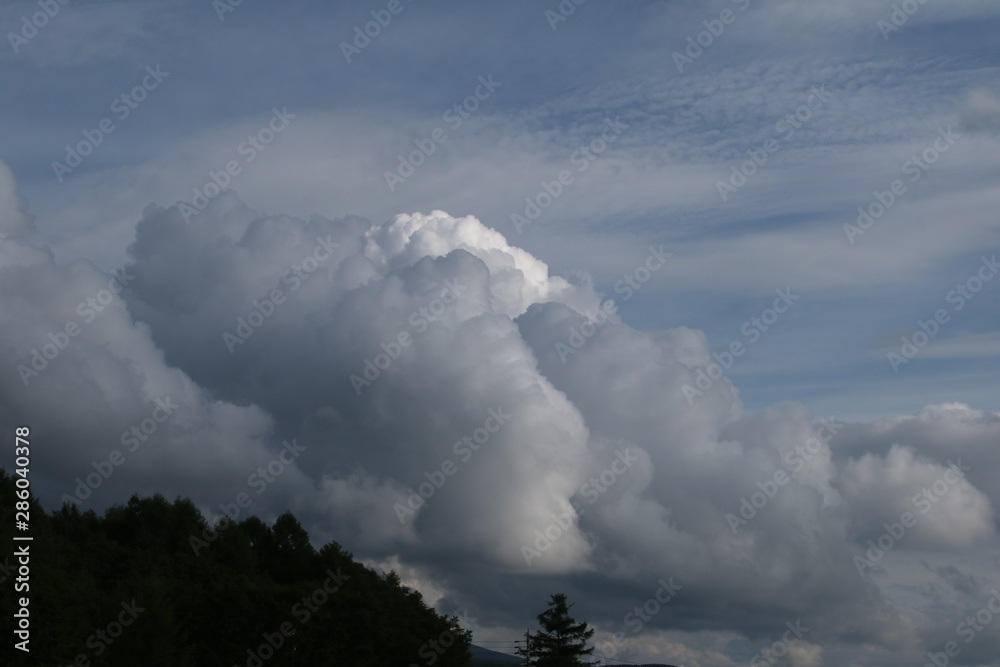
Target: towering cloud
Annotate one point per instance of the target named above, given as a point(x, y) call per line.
point(426, 393)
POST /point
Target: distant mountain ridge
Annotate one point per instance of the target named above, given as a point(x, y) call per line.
point(484, 657)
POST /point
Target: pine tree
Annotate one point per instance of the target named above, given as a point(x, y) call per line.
point(562, 642)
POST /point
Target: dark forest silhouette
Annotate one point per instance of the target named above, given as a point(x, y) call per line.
point(128, 588)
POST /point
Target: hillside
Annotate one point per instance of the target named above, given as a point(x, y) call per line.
point(484, 657)
point(149, 584)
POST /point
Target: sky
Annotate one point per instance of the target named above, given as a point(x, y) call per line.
point(683, 309)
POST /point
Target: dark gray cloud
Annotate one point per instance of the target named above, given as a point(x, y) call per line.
point(960, 581)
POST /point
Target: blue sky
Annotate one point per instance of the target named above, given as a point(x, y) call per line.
point(817, 107)
point(887, 98)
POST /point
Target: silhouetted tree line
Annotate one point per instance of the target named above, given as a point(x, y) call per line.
point(127, 589)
